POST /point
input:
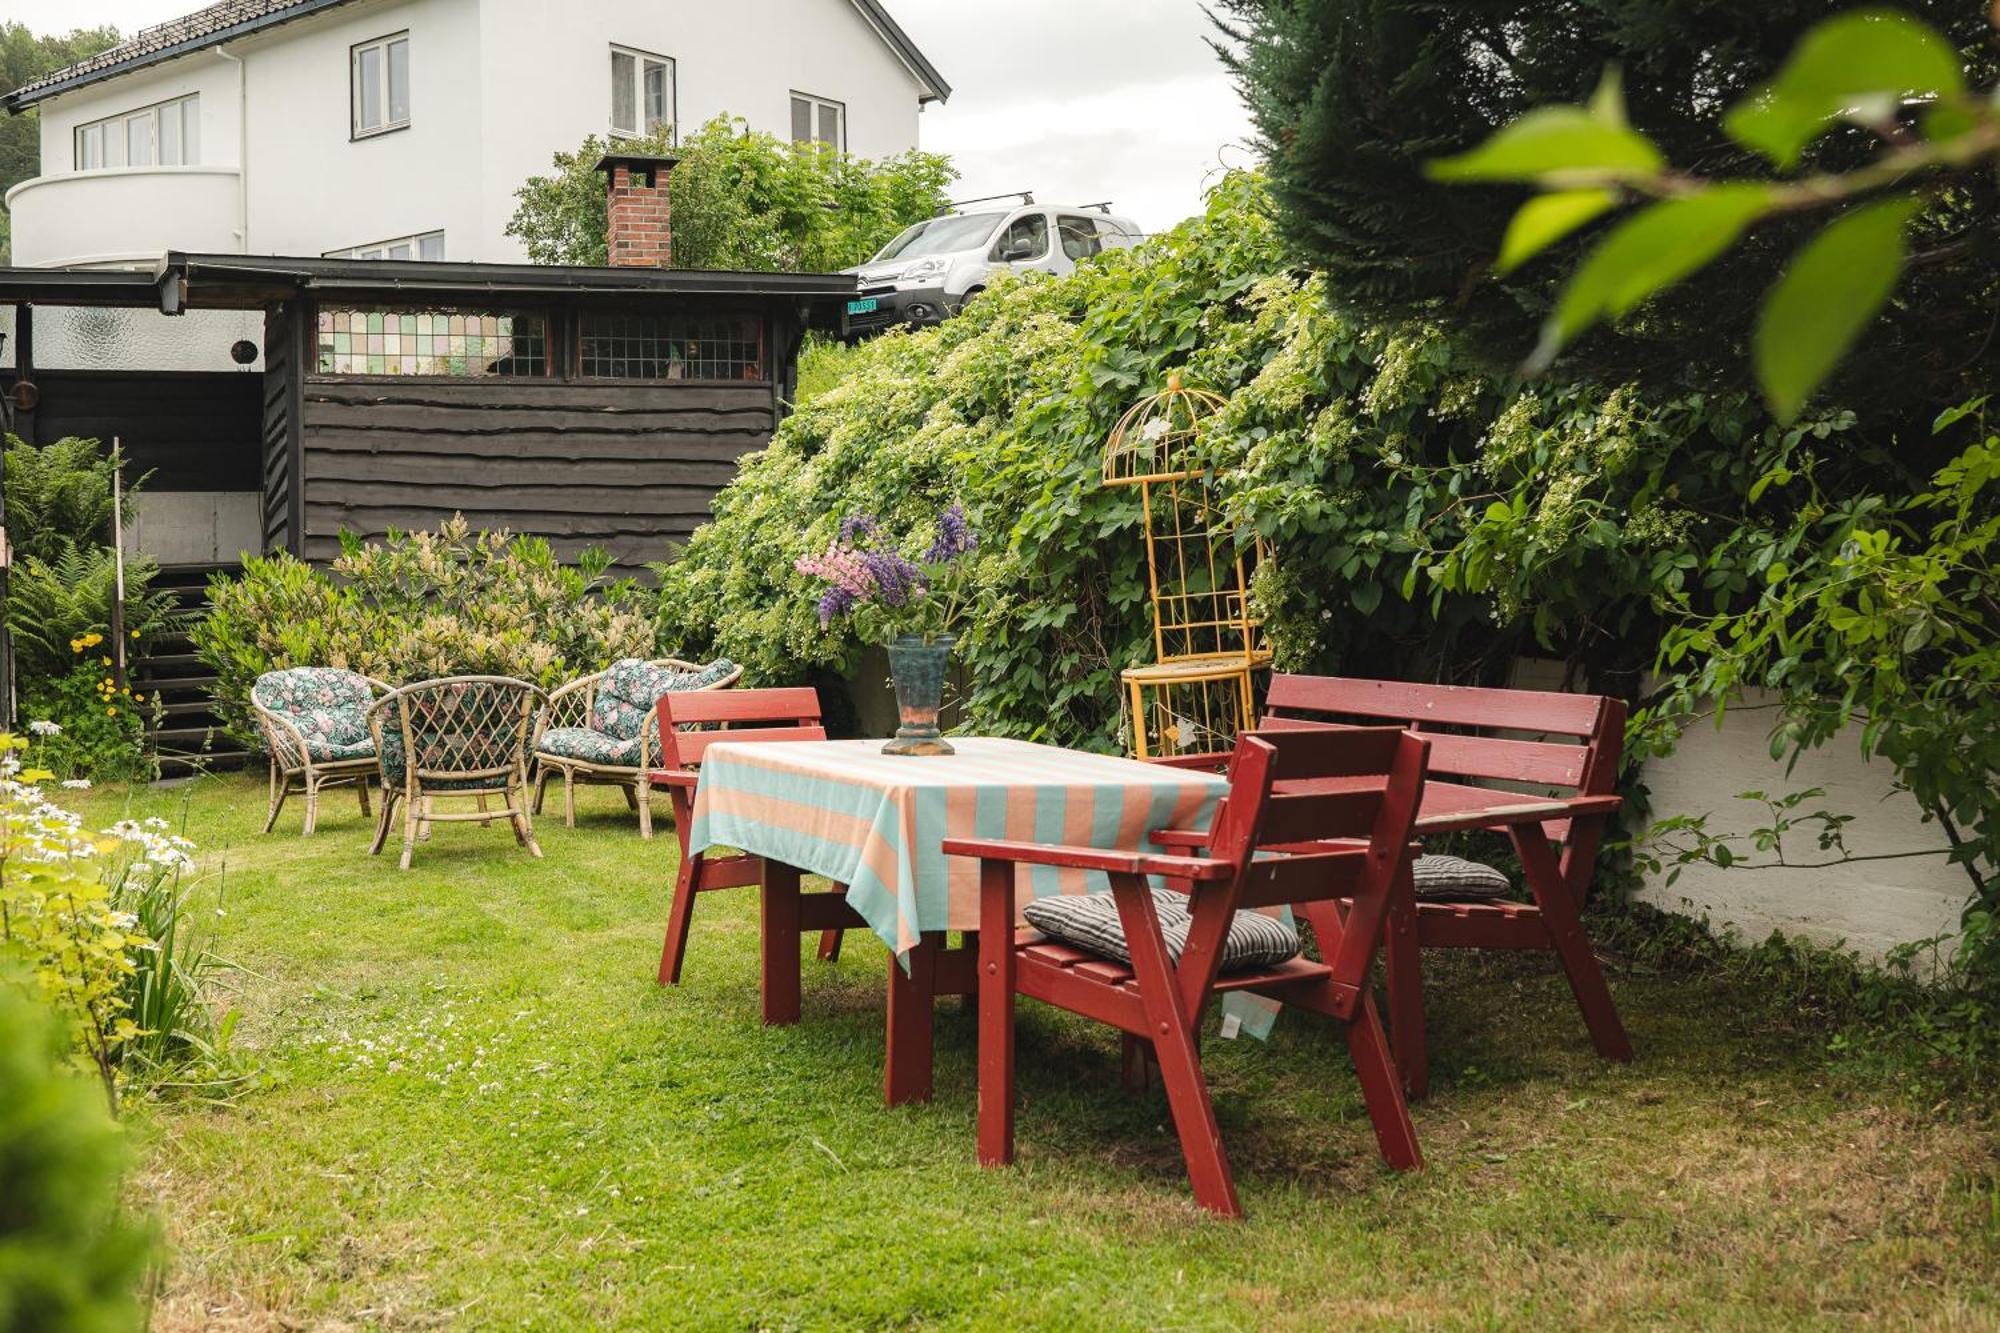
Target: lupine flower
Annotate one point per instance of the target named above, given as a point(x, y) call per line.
point(857, 526)
point(954, 536)
point(834, 602)
point(896, 579)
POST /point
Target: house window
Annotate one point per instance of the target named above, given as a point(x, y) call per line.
point(166, 134)
point(427, 245)
point(672, 347)
point(432, 342)
point(642, 92)
point(381, 84)
point(818, 120)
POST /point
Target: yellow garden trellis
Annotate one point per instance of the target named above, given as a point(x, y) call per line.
point(1196, 695)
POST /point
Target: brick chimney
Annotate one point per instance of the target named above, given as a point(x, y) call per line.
point(640, 234)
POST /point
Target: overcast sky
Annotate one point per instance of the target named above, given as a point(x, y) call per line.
point(1077, 100)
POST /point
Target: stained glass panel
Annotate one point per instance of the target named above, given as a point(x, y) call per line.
point(431, 342)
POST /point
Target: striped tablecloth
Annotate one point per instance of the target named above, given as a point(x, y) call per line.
point(877, 822)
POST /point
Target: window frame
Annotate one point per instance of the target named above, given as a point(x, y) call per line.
point(819, 104)
point(574, 320)
point(640, 59)
point(414, 240)
point(356, 130)
point(105, 127)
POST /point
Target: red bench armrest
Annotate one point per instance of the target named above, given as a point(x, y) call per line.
point(1089, 858)
point(1215, 761)
point(673, 777)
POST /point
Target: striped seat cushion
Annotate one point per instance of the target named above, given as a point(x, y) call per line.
point(1456, 877)
point(1090, 921)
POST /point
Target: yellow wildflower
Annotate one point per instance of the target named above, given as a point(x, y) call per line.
point(111, 712)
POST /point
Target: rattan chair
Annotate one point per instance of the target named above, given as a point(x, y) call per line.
point(315, 725)
point(458, 737)
point(600, 729)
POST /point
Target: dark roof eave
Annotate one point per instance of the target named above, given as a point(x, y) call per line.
point(21, 99)
point(892, 32)
point(284, 275)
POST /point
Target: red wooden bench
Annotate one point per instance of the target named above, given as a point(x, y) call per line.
point(739, 716)
point(1273, 806)
point(1569, 802)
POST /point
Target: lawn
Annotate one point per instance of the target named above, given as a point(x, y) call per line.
point(475, 1108)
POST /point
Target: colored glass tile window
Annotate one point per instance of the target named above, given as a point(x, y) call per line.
point(431, 342)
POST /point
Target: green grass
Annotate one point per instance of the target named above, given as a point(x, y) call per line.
point(477, 1109)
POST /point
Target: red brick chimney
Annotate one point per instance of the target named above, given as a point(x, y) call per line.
point(640, 234)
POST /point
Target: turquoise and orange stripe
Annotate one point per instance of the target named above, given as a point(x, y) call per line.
point(877, 822)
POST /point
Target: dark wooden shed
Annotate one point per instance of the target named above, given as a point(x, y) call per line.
point(598, 407)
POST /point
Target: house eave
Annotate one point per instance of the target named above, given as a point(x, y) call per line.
point(21, 99)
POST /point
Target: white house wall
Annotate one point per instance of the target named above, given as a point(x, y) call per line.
point(315, 188)
point(496, 89)
point(744, 58)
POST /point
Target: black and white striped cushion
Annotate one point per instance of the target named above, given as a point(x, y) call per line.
point(1456, 877)
point(1090, 921)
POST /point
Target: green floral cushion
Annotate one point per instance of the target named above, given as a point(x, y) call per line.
point(328, 706)
point(623, 704)
point(592, 747)
point(469, 725)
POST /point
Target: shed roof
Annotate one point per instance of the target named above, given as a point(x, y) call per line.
point(231, 19)
point(182, 281)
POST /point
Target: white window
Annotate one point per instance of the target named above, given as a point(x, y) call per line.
point(426, 245)
point(642, 91)
point(818, 120)
point(381, 84)
point(166, 134)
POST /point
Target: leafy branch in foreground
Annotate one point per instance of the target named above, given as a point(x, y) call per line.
point(1882, 71)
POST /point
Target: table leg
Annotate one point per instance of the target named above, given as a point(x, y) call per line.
point(996, 1013)
point(779, 918)
point(911, 999)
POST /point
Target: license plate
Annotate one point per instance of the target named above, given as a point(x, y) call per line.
point(865, 306)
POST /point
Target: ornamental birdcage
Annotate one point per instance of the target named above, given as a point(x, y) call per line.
point(1206, 640)
point(1160, 438)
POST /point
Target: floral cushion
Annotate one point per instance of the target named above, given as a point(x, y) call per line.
point(469, 726)
point(592, 747)
point(328, 706)
point(623, 704)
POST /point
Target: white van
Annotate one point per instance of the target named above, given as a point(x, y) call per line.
point(933, 268)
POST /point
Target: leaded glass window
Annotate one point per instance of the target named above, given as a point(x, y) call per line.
point(672, 347)
point(432, 342)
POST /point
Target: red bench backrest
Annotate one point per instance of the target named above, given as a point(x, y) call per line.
point(788, 714)
point(1587, 766)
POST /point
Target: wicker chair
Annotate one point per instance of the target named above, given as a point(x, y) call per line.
point(600, 729)
point(461, 736)
point(315, 725)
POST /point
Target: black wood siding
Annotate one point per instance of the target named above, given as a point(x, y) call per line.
point(279, 427)
point(621, 466)
point(193, 431)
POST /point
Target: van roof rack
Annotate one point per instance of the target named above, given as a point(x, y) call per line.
point(1025, 196)
point(1103, 206)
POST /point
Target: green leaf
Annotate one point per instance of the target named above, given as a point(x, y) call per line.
point(1366, 597)
point(1859, 65)
point(1546, 219)
point(1649, 251)
point(1556, 145)
point(1836, 284)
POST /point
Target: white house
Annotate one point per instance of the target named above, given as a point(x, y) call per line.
point(402, 128)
